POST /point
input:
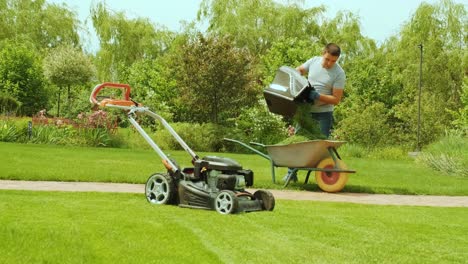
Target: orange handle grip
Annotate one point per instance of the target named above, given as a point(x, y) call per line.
point(99, 87)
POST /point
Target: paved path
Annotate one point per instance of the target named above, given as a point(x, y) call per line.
point(362, 198)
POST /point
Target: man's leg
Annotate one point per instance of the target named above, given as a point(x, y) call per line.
point(325, 120)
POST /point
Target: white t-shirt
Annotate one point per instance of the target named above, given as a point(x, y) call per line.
point(324, 81)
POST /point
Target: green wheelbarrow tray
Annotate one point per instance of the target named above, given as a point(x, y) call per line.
point(299, 156)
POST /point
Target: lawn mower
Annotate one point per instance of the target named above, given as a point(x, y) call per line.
point(213, 183)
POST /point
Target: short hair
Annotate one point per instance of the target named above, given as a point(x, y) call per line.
point(333, 49)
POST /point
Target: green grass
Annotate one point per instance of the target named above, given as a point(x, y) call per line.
point(61, 163)
point(59, 227)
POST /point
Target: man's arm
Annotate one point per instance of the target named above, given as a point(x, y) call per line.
point(334, 99)
point(301, 70)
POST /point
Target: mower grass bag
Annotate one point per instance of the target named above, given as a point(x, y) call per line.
point(288, 88)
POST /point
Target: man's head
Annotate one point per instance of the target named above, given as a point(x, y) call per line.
point(330, 55)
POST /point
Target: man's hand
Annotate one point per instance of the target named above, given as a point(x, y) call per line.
point(313, 95)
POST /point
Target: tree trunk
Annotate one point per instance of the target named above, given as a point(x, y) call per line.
point(68, 100)
point(58, 103)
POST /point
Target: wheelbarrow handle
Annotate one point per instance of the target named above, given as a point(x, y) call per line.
point(257, 144)
point(249, 147)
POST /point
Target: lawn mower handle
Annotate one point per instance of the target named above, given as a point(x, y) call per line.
point(99, 87)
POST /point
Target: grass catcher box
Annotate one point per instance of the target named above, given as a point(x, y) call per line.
point(288, 88)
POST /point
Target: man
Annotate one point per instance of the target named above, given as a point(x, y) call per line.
point(328, 79)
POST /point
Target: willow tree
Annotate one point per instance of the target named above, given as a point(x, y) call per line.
point(256, 25)
point(46, 25)
point(124, 41)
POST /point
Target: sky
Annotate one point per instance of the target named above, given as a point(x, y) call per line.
point(379, 19)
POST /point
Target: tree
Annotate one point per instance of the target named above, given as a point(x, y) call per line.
point(124, 41)
point(153, 85)
point(441, 29)
point(21, 77)
point(390, 75)
point(43, 24)
point(258, 30)
point(215, 80)
point(66, 67)
point(290, 52)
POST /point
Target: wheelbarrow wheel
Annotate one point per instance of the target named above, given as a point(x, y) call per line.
point(226, 202)
point(331, 181)
point(267, 198)
point(160, 189)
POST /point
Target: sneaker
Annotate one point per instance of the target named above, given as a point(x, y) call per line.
point(293, 177)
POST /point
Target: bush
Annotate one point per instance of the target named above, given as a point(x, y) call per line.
point(447, 155)
point(50, 134)
point(365, 126)
point(259, 125)
point(8, 104)
point(199, 137)
point(377, 153)
point(8, 131)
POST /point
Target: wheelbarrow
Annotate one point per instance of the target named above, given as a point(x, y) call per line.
point(320, 156)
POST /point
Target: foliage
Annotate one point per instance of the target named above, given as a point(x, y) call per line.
point(460, 117)
point(215, 80)
point(21, 77)
point(8, 131)
point(259, 125)
point(293, 139)
point(67, 67)
point(50, 134)
point(124, 41)
point(447, 155)
point(217, 75)
point(305, 125)
point(389, 78)
point(290, 52)
point(365, 126)
point(8, 104)
point(258, 30)
point(96, 129)
point(199, 137)
point(44, 25)
point(153, 86)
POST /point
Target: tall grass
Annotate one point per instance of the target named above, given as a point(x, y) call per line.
point(448, 155)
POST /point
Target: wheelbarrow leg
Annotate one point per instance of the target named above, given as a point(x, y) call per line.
point(273, 171)
point(307, 177)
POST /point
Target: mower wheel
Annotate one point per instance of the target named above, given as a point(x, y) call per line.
point(267, 198)
point(226, 202)
point(331, 181)
point(160, 189)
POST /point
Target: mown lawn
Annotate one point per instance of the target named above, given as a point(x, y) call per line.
point(60, 163)
point(60, 227)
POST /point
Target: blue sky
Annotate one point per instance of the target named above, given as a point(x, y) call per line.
point(379, 19)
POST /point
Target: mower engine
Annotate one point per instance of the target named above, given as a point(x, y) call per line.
point(220, 183)
point(221, 174)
